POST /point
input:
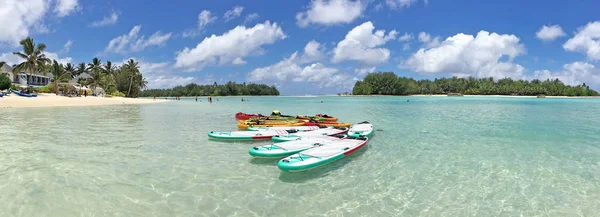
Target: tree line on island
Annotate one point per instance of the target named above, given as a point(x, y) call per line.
point(125, 80)
point(228, 89)
point(388, 83)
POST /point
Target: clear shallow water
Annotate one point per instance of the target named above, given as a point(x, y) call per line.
point(437, 156)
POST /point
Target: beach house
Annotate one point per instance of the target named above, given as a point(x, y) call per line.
point(24, 79)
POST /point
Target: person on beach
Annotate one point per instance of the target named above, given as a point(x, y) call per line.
point(196, 98)
point(154, 98)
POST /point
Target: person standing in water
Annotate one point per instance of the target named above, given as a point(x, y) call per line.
point(196, 98)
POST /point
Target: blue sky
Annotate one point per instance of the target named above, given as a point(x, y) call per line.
point(317, 46)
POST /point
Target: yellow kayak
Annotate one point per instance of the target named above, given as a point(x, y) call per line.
point(244, 125)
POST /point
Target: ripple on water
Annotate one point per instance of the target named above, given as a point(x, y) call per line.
point(431, 156)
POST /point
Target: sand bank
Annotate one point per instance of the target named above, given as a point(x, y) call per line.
point(52, 100)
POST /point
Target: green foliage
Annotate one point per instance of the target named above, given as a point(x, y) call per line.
point(117, 94)
point(228, 89)
point(45, 89)
point(15, 87)
point(4, 82)
point(387, 83)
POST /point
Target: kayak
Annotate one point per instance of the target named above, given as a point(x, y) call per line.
point(303, 128)
point(244, 116)
point(255, 121)
point(318, 118)
point(328, 124)
point(243, 125)
point(248, 135)
point(319, 132)
point(24, 94)
point(362, 129)
point(284, 149)
point(321, 155)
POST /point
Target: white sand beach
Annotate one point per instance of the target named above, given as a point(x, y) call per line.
point(52, 100)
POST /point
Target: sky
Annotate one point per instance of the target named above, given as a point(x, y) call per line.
point(315, 46)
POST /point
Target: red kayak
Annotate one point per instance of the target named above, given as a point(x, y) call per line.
point(244, 116)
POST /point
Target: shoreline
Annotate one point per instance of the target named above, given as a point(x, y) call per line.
point(52, 100)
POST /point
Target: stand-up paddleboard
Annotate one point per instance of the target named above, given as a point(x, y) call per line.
point(362, 129)
point(303, 128)
point(249, 135)
point(319, 132)
point(284, 149)
point(319, 156)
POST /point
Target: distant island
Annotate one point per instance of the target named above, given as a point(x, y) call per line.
point(228, 89)
point(388, 83)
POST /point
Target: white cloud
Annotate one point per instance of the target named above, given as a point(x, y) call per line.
point(363, 71)
point(573, 74)
point(406, 46)
point(465, 55)
point(586, 40)
point(362, 44)
point(233, 13)
point(289, 69)
point(237, 43)
point(395, 4)
point(406, 37)
point(550, 33)
point(65, 7)
point(251, 17)
point(17, 17)
point(313, 51)
point(67, 47)
point(427, 41)
point(12, 59)
point(330, 12)
point(54, 56)
point(159, 75)
point(295, 69)
point(106, 21)
point(131, 42)
point(204, 19)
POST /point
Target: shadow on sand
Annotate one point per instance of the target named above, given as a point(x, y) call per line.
point(300, 177)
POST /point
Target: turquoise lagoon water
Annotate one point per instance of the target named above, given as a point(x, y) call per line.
point(432, 156)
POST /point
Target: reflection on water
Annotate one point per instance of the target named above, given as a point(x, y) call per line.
point(431, 156)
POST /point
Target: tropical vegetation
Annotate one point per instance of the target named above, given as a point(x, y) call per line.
point(4, 82)
point(228, 89)
point(388, 83)
point(125, 80)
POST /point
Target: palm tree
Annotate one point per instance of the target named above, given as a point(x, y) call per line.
point(134, 69)
point(95, 65)
point(70, 68)
point(59, 74)
point(80, 69)
point(110, 69)
point(33, 56)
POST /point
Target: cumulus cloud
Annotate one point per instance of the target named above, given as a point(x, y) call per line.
point(18, 17)
point(330, 12)
point(295, 69)
point(12, 59)
point(132, 42)
point(204, 19)
point(66, 7)
point(362, 44)
point(233, 13)
point(233, 45)
point(54, 56)
point(396, 4)
point(550, 33)
point(406, 37)
point(427, 41)
point(586, 40)
point(159, 74)
point(107, 21)
point(466, 55)
point(573, 74)
point(364, 71)
point(313, 51)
